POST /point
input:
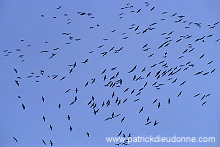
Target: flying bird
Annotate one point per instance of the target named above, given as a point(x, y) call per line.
point(15, 139)
point(44, 142)
point(148, 118)
point(154, 101)
point(51, 128)
point(204, 103)
point(70, 128)
point(42, 99)
point(158, 106)
point(23, 106)
point(17, 82)
point(15, 70)
point(88, 134)
point(68, 117)
point(179, 93)
point(142, 108)
point(85, 61)
point(44, 118)
point(156, 123)
point(169, 101)
point(51, 143)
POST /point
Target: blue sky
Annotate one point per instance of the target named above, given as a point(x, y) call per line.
point(42, 41)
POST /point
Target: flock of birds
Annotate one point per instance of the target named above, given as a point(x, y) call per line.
point(125, 87)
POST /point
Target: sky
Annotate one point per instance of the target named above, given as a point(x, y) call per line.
point(126, 58)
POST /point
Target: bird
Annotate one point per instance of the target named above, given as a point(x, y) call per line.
point(89, 102)
point(71, 70)
point(15, 70)
point(96, 111)
point(87, 83)
point(51, 128)
point(132, 91)
point(59, 7)
point(148, 118)
point(155, 101)
point(113, 94)
point(67, 90)
point(152, 8)
point(138, 10)
point(51, 143)
point(202, 56)
point(198, 73)
point(72, 102)
point(208, 95)
point(210, 62)
point(142, 108)
point(62, 78)
point(15, 139)
point(158, 105)
point(136, 28)
point(42, 98)
point(182, 83)
point(204, 103)
point(203, 97)
point(44, 118)
point(76, 90)
point(148, 74)
point(44, 142)
point(23, 106)
point(197, 95)
point(68, 117)
point(174, 80)
point(169, 101)
point(136, 100)
point(74, 65)
point(134, 77)
point(17, 82)
point(179, 93)
point(93, 98)
point(87, 133)
point(70, 128)
point(205, 73)
point(103, 71)
point(125, 100)
point(133, 69)
point(85, 61)
point(126, 89)
point(156, 123)
point(212, 70)
point(122, 119)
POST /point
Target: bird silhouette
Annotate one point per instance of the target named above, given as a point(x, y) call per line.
point(51, 143)
point(88, 134)
point(70, 128)
point(23, 106)
point(156, 123)
point(44, 142)
point(15, 139)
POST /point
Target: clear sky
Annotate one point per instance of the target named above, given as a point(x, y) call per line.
point(108, 50)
